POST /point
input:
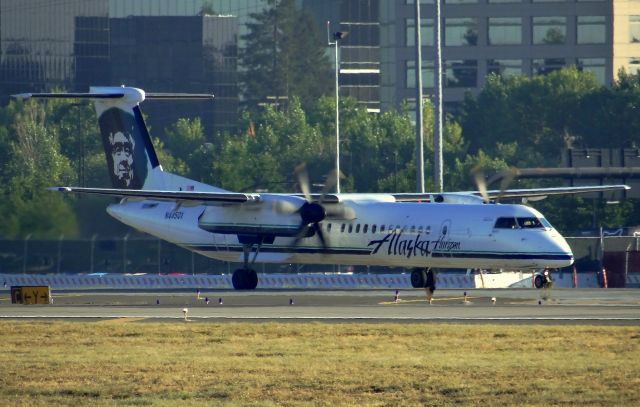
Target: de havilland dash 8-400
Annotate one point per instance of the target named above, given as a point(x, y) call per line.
point(412, 230)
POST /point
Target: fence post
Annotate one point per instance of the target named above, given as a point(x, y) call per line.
point(60, 239)
point(124, 253)
point(24, 263)
point(93, 243)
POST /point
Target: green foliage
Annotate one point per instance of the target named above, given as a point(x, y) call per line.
point(284, 57)
point(33, 162)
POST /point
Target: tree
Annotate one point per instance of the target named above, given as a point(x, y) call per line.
point(34, 163)
point(284, 57)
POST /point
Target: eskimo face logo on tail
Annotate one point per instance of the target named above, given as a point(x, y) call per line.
point(124, 149)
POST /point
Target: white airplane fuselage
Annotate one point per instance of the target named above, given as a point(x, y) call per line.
point(383, 234)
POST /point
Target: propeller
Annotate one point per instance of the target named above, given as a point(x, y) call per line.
point(505, 177)
point(312, 213)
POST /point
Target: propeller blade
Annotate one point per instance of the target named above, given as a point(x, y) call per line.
point(321, 236)
point(303, 181)
point(284, 207)
point(481, 183)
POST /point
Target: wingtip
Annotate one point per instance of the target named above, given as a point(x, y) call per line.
point(22, 96)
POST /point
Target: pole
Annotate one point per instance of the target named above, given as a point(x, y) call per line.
point(419, 113)
point(437, 139)
point(337, 86)
point(337, 120)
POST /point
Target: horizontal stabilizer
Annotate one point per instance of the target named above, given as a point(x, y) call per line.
point(113, 95)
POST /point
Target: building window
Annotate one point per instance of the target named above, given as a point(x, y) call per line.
point(504, 67)
point(634, 28)
point(460, 31)
point(505, 31)
point(549, 30)
point(591, 30)
point(595, 65)
point(428, 75)
point(426, 32)
point(634, 66)
point(545, 66)
point(461, 73)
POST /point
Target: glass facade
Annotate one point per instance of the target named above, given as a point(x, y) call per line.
point(595, 65)
point(461, 73)
point(591, 30)
point(428, 74)
point(505, 30)
point(504, 67)
point(427, 32)
point(634, 28)
point(460, 31)
point(634, 66)
point(157, 45)
point(547, 65)
point(549, 30)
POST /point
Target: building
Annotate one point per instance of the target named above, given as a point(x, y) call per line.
point(157, 45)
point(359, 50)
point(505, 37)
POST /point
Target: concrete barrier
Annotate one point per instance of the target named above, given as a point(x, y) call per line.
point(283, 281)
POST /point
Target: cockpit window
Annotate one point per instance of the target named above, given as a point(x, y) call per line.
point(546, 223)
point(530, 223)
point(506, 223)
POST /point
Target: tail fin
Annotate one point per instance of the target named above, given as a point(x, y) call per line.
point(129, 152)
point(131, 158)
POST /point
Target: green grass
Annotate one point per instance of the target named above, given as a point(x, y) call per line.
point(131, 363)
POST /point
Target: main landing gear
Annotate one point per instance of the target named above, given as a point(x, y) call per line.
point(246, 278)
point(424, 278)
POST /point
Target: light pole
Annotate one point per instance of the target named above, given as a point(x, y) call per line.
point(337, 36)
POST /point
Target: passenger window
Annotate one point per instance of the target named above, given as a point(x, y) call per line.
point(342, 228)
point(358, 228)
point(381, 228)
point(373, 228)
point(413, 229)
point(350, 228)
point(506, 223)
point(328, 227)
point(419, 229)
point(366, 227)
point(427, 230)
point(444, 230)
point(398, 229)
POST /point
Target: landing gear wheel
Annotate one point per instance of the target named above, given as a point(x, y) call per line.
point(244, 279)
point(418, 278)
point(538, 281)
point(251, 279)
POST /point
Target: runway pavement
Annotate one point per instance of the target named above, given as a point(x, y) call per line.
point(558, 306)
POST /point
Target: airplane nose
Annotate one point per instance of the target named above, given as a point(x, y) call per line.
point(563, 250)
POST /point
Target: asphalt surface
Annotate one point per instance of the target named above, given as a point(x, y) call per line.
point(558, 306)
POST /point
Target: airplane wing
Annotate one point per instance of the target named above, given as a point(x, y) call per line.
point(531, 193)
point(544, 192)
point(200, 196)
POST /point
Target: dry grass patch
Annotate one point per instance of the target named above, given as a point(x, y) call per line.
point(115, 363)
